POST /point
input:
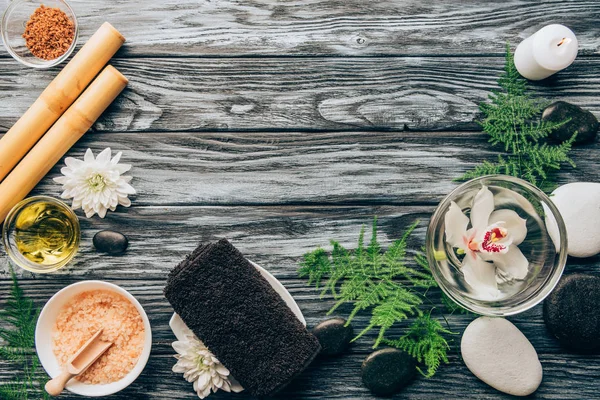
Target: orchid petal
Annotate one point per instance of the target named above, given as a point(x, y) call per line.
point(483, 205)
point(491, 240)
point(515, 225)
point(480, 275)
point(456, 226)
point(512, 262)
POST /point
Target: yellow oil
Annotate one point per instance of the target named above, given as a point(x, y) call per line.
point(45, 233)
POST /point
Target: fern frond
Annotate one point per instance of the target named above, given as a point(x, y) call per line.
point(381, 283)
point(399, 306)
point(512, 121)
point(18, 319)
point(425, 341)
point(16, 390)
point(424, 278)
point(373, 295)
point(314, 266)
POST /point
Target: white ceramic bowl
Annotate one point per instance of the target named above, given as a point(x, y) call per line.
point(43, 338)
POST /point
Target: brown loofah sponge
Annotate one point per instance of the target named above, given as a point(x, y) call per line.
point(225, 301)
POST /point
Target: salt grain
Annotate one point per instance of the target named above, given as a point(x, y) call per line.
point(49, 33)
point(121, 322)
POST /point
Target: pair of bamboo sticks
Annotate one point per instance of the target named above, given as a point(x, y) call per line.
point(59, 117)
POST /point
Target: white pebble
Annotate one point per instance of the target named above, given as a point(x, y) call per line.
point(579, 206)
point(500, 355)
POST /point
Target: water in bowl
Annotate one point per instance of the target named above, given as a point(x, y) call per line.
point(538, 247)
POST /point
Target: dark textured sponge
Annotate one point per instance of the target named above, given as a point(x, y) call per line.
point(226, 302)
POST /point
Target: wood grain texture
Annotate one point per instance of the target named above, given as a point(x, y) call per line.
point(281, 124)
point(276, 237)
point(332, 28)
point(400, 93)
point(290, 168)
point(566, 376)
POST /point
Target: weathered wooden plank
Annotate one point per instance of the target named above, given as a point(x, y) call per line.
point(160, 236)
point(275, 237)
point(440, 93)
point(149, 293)
point(336, 27)
point(200, 168)
point(566, 375)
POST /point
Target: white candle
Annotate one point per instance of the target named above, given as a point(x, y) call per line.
point(552, 48)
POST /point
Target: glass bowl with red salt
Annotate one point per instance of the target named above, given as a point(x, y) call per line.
point(39, 34)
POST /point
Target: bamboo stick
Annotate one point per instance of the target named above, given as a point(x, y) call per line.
point(58, 96)
point(74, 123)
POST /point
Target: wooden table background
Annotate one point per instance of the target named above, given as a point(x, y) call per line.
point(283, 124)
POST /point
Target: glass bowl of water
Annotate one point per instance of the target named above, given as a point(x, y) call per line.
point(543, 246)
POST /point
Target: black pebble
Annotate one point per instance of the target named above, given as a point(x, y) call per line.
point(333, 336)
point(572, 312)
point(387, 371)
point(110, 242)
point(582, 121)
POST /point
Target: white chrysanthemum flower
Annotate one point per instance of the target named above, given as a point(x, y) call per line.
point(96, 184)
point(200, 366)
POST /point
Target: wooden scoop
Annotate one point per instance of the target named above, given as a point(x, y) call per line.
point(82, 360)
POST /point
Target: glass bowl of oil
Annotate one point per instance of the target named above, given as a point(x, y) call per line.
point(41, 234)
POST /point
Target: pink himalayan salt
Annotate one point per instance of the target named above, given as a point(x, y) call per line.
point(122, 324)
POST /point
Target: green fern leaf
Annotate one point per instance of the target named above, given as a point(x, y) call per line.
point(397, 307)
point(512, 121)
point(425, 341)
point(381, 283)
point(18, 319)
point(315, 265)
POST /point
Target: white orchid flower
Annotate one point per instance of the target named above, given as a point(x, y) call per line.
point(489, 244)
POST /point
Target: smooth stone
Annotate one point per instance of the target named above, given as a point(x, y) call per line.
point(582, 122)
point(110, 242)
point(579, 206)
point(572, 312)
point(387, 371)
point(499, 354)
point(333, 336)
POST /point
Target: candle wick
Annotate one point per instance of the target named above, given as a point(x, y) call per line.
point(563, 41)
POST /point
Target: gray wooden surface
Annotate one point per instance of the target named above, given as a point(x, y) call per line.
point(283, 124)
